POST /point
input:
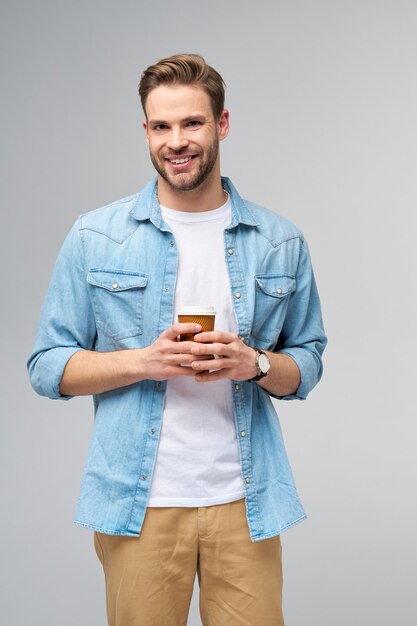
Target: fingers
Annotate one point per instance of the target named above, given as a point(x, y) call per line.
point(181, 357)
point(206, 377)
point(219, 349)
point(211, 356)
point(215, 336)
point(181, 371)
point(233, 359)
point(175, 330)
point(211, 364)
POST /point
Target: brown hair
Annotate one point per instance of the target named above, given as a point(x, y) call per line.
point(184, 69)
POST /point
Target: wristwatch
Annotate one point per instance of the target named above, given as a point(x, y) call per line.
point(263, 363)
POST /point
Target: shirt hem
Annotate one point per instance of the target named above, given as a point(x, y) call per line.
point(193, 502)
point(274, 533)
point(106, 531)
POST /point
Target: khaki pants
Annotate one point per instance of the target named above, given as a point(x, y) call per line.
point(150, 579)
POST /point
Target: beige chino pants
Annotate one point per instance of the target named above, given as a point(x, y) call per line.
point(150, 579)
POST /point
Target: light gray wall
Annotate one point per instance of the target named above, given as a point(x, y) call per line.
point(323, 101)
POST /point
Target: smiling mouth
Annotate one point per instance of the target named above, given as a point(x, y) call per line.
point(180, 160)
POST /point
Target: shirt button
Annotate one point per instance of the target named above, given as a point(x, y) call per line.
point(237, 294)
point(237, 387)
point(243, 434)
point(144, 477)
point(166, 289)
point(114, 286)
point(279, 290)
point(152, 431)
point(230, 251)
point(158, 384)
point(171, 243)
point(247, 480)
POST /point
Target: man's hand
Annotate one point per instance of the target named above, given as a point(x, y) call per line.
point(167, 357)
point(237, 361)
point(232, 358)
point(89, 372)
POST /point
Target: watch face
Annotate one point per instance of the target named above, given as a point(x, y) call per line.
point(263, 363)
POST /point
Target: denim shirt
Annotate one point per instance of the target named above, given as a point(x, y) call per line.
point(113, 288)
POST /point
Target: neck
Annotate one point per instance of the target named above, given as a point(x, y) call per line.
point(208, 196)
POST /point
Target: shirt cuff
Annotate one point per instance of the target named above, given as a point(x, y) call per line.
point(307, 365)
point(48, 370)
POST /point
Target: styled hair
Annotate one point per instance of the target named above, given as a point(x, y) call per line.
point(184, 69)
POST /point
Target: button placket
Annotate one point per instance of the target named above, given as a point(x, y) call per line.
point(235, 272)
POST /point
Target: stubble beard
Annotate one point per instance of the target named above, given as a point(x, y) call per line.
point(184, 181)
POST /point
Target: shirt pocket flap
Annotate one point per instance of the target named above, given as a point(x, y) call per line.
point(276, 285)
point(116, 280)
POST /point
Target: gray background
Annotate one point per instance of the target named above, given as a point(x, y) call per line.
point(323, 101)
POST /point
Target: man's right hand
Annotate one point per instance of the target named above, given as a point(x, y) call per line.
point(88, 372)
point(167, 357)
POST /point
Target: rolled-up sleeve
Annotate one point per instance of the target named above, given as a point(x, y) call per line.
point(66, 323)
point(302, 336)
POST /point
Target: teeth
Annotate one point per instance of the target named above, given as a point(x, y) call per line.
point(179, 161)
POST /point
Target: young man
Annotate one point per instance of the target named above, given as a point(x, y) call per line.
point(187, 470)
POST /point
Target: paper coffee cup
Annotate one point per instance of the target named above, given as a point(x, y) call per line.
point(204, 315)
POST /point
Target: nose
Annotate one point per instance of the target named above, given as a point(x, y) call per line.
point(177, 139)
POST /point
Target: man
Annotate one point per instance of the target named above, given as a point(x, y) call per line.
point(187, 470)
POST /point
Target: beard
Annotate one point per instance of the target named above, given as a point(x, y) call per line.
point(183, 181)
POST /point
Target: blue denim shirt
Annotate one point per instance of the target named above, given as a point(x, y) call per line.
point(113, 288)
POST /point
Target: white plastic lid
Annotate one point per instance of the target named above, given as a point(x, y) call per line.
point(197, 310)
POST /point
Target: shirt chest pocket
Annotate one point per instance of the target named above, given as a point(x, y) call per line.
point(117, 297)
point(272, 296)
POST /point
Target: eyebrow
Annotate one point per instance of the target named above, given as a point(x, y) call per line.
point(189, 118)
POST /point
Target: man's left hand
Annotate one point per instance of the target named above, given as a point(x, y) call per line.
point(232, 358)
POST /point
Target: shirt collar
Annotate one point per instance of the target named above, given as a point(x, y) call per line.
point(147, 206)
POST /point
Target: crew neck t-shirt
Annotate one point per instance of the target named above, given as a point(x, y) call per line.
point(198, 457)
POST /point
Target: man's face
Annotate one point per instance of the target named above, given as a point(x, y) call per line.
point(183, 135)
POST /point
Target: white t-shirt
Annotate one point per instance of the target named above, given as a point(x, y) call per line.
point(198, 455)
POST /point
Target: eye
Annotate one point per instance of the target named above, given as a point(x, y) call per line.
point(159, 127)
point(193, 123)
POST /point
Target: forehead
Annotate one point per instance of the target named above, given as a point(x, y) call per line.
point(177, 101)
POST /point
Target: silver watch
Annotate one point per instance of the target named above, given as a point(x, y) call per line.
point(263, 363)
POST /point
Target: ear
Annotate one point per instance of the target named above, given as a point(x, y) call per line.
point(145, 128)
point(223, 125)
